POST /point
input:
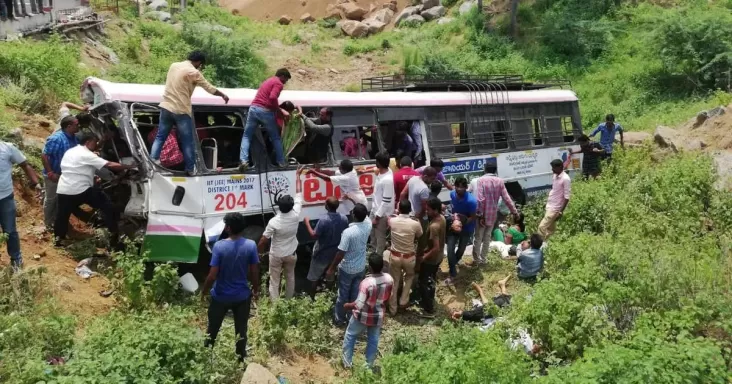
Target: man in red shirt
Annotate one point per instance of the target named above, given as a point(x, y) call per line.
point(402, 176)
point(262, 112)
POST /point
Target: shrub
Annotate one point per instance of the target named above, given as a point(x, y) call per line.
point(299, 323)
point(149, 347)
point(696, 45)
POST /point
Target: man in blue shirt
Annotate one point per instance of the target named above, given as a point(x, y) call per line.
point(351, 260)
point(531, 261)
point(234, 262)
point(328, 235)
point(607, 133)
point(56, 145)
point(464, 206)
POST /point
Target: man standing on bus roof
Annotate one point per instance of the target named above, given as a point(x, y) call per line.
point(383, 202)
point(176, 108)
point(489, 190)
point(557, 201)
point(607, 132)
point(262, 112)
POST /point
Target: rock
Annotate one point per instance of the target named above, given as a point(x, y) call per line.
point(352, 11)
point(17, 134)
point(284, 20)
point(427, 4)
point(374, 26)
point(333, 12)
point(159, 15)
point(391, 6)
point(302, 72)
point(414, 20)
point(44, 124)
point(701, 117)
point(445, 20)
point(159, 5)
point(353, 28)
point(434, 13)
point(339, 2)
point(467, 6)
point(664, 137)
point(383, 15)
point(303, 3)
point(36, 257)
point(64, 284)
point(372, 8)
point(636, 138)
point(257, 374)
point(31, 142)
point(719, 111)
point(307, 18)
point(406, 12)
point(692, 145)
point(333, 70)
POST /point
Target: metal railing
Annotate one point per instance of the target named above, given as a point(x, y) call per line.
point(437, 83)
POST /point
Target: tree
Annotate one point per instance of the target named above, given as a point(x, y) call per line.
point(514, 16)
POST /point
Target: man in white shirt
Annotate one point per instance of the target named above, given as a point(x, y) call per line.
point(282, 231)
point(383, 202)
point(76, 186)
point(346, 179)
point(10, 155)
point(557, 200)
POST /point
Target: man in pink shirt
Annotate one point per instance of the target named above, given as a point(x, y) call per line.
point(489, 190)
point(263, 112)
point(557, 200)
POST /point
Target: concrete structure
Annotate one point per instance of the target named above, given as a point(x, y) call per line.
point(32, 15)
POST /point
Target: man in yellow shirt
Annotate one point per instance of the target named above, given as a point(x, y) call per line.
point(176, 109)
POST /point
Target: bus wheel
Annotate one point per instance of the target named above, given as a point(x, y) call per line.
point(517, 193)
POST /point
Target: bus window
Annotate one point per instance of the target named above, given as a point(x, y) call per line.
point(219, 135)
point(447, 132)
point(489, 136)
point(558, 120)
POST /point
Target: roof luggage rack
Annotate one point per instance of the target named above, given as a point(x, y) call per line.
point(438, 83)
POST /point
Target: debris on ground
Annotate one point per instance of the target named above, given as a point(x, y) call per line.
point(82, 269)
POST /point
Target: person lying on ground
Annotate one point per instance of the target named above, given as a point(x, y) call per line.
point(516, 233)
point(477, 313)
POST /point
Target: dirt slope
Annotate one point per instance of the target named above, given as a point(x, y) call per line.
point(268, 10)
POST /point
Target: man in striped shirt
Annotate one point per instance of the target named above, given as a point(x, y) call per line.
point(383, 202)
point(489, 190)
point(368, 311)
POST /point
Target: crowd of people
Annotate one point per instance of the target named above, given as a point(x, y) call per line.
point(408, 228)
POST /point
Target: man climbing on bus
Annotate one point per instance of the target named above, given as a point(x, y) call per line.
point(176, 109)
point(607, 133)
point(263, 112)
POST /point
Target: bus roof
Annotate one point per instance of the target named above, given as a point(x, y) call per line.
point(242, 97)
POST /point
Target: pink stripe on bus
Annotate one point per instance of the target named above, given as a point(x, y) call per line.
point(173, 228)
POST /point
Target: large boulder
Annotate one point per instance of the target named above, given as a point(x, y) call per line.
point(427, 4)
point(467, 6)
point(333, 12)
point(353, 28)
point(391, 5)
point(159, 5)
point(383, 15)
point(434, 13)
point(159, 15)
point(307, 18)
point(284, 20)
point(413, 20)
point(636, 138)
point(406, 12)
point(374, 26)
point(664, 137)
point(257, 374)
point(352, 11)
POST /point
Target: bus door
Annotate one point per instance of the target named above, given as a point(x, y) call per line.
point(393, 121)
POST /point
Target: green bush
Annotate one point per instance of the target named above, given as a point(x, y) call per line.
point(48, 67)
point(149, 347)
point(696, 46)
point(299, 323)
point(137, 293)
